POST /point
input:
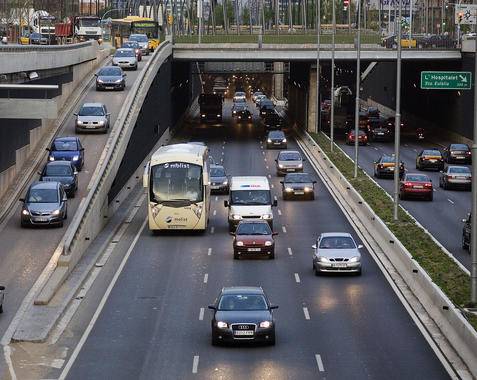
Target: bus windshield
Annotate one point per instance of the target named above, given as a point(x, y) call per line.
point(150, 29)
point(176, 182)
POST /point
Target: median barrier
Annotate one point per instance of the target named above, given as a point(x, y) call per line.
point(447, 316)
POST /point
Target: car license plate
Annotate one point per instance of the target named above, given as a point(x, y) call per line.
point(432, 160)
point(460, 158)
point(109, 88)
point(380, 133)
point(290, 170)
point(254, 249)
point(41, 219)
point(418, 187)
point(339, 265)
point(277, 143)
point(90, 126)
point(391, 168)
point(244, 333)
point(299, 192)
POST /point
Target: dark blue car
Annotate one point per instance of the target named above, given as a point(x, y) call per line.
point(67, 149)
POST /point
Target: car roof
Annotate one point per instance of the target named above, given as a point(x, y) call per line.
point(217, 166)
point(124, 49)
point(110, 67)
point(59, 163)
point(92, 105)
point(44, 185)
point(254, 221)
point(336, 234)
point(66, 138)
point(242, 289)
point(289, 151)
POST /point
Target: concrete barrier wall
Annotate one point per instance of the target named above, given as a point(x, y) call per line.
point(445, 314)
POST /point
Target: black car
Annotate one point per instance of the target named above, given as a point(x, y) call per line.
point(266, 108)
point(381, 132)
point(110, 78)
point(242, 314)
point(244, 116)
point(384, 166)
point(272, 120)
point(219, 182)
point(466, 232)
point(457, 154)
point(298, 185)
point(238, 106)
point(276, 139)
point(63, 172)
point(430, 159)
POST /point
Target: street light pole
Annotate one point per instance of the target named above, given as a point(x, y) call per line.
point(397, 119)
point(332, 117)
point(358, 83)
point(473, 233)
point(318, 27)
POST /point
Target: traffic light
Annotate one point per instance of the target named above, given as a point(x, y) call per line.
point(460, 16)
point(345, 4)
point(169, 19)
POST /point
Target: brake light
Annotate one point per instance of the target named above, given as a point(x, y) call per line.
point(407, 184)
point(428, 185)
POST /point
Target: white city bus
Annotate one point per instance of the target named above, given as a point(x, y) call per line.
point(178, 188)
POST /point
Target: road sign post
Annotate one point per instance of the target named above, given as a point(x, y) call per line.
point(446, 80)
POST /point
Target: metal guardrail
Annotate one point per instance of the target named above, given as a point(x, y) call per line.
point(28, 91)
point(17, 48)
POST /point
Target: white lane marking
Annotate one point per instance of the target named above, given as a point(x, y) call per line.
point(269, 176)
point(307, 314)
point(297, 278)
point(284, 229)
point(209, 251)
point(221, 160)
point(263, 153)
point(212, 229)
point(450, 200)
point(201, 314)
point(216, 199)
point(415, 150)
point(267, 167)
point(195, 364)
point(98, 311)
point(290, 252)
point(206, 278)
point(214, 213)
point(223, 153)
point(272, 185)
point(7, 351)
point(434, 189)
point(319, 363)
point(275, 197)
point(279, 212)
point(376, 148)
point(265, 159)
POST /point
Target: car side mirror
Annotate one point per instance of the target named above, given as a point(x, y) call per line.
point(226, 203)
point(275, 203)
point(2, 288)
point(274, 233)
point(75, 114)
point(232, 233)
point(22, 199)
point(212, 307)
point(313, 246)
point(75, 172)
point(273, 307)
point(314, 182)
point(108, 114)
point(48, 149)
point(39, 173)
point(125, 75)
point(303, 159)
point(82, 149)
point(281, 182)
point(276, 160)
point(430, 180)
point(360, 246)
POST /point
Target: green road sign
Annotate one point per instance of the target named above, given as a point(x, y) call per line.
point(446, 80)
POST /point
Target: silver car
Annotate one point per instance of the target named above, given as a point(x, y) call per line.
point(289, 161)
point(142, 40)
point(336, 252)
point(125, 58)
point(2, 298)
point(92, 117)
point(456, 176)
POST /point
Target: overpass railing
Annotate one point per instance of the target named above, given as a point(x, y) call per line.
point(17, 48)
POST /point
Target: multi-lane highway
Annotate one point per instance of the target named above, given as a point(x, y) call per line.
point(443, 216)
point(25, 252)
point(154, 323)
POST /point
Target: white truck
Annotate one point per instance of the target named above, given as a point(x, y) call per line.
point(44, 23)
point(88, 28)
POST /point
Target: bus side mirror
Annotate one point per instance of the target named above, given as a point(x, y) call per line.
point(145, 176)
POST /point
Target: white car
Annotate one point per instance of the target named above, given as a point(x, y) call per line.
point(336, 252)
point(125, 58)
point(255, 94)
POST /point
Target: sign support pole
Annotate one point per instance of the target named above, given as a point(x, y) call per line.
point(473, 236)
point(397, 120)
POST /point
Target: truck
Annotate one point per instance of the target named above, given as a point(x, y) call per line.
point(79, 28)
point(43, 23)
point(210, 108)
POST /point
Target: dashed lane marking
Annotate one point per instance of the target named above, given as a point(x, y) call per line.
point(201, 314)
point(272, 185)
point(450, 200)
point(290, 252)
point(195, 364)
point(212, 230)
point(216, 199)
point(209, 252)
point(214, 213)
point(297, 278)
point(275, 197)
point(376, 148)
point(279, 212)
point(319, 363)
point(307, 314)
point(269, 176)
point(206, 278)
point(284, 229)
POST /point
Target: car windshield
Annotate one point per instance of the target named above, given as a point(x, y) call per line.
point(250, 197)
point(130, 45)
point(58, 170)
point(387, 159)
point(431, 153)
point(297, 178)
point(417, 178)
point(35, 35)
point(289, 156)
point(245, 302)
point(42, 196)
point(240, 106)
point(217, 172)
point(240, 100)
point(240, 94)
point(276, 135)
point(459, 147)
point(176, 182)
point(65, 146)
point(459, 170)
point(91, 111)
point(110, 72)
point(253, 229)
point(125, 53)
point(337, 242)
point(138, 38)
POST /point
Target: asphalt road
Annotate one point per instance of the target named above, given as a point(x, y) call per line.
point(26, 251)
point(443, 216)
point(153, 326)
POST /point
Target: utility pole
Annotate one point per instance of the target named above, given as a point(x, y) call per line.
point(397, 119)
point(333, 46)
point(358, 84)
point(473, 232)
point(318, 27)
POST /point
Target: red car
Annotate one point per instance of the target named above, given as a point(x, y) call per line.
point(362, 138)
point(416, 185)
point(254, 237)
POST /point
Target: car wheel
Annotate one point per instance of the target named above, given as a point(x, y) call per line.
point(464, 244)
point(312, 197)
point(272, 340)
point(1, 309)
point(215, 341)
point(236, 256)
point(23, 224)
point(440, 183)
point(285, 197)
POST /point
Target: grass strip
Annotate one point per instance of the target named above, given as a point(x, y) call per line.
point(445, 273)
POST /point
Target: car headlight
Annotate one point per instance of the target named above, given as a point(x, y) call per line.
point(203, 115)
point(280, 166)
point(355, 259)
point(75, 158)
point(268, 243)
point(300, 165)
point(56, 212)
point(284, 140)
point(323, 259)
point(239, 244)
point(100, 81)
point(101, 122)
point(236, 217)
point(51, 158)
point(288, 189)
point(225, 183)
point(218, 115)
point(269, 140)
point(222, 325)
point(118, 81)
point(267, 216)
point(25, 212)
point(265, 324)
point(308, 189)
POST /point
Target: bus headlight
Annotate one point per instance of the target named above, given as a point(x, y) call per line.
point(267, 216)
point(236, 217)
point(197, 210)
point(155, 211)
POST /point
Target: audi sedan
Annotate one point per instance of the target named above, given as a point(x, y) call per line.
point(63, 172)
point(242, 315)
point(362, 137)
point(298, 185)
point(110, 78)
point(219, 182)
point(416, 185)
point(254, 237)
point(276, 139)
point(458, 153)
point(430, 159)
point(67, 149)
point(289, 161)
point(456, 177)
point(336, 252)
point(385, 165)
point(45, 204)
point(125, 58)
point(92, 117)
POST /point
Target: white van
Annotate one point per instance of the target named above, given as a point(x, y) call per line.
point(250, 198)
